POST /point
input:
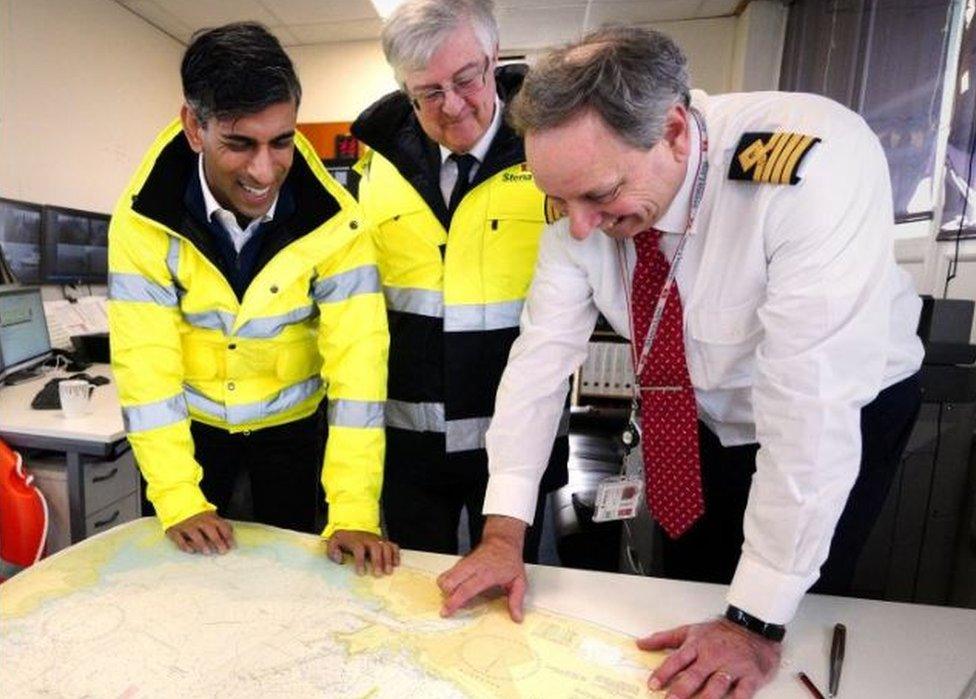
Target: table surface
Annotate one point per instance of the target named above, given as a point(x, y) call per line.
point(893, 650)
point(102, 426)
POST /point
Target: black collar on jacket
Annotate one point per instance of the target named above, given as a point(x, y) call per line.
point(162, 200)
point(390, 127)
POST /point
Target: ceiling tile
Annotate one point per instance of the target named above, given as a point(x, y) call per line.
point(524, 29)
point(524, 24)
point(640, 12)
point(317, 11)
point(213, 13)
point(536, 4)
point(161, 18)
point(716, 8)
point(331, 32)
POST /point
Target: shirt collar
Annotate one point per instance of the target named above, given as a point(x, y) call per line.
point(480, 149)
point(675, 219)
point(211, 204)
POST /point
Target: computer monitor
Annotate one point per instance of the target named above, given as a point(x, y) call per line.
point(75, 246)
point(20, 239)
point(24, 339)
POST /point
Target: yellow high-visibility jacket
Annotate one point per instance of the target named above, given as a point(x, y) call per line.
point(454, 288)
point(311, 323)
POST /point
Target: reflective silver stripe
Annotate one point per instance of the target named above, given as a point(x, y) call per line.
point(211, 320)
point(417, 417)
point(355, 413)
point(271, 326)
point(339, 287)
point(563, 428)
point(240, 414)
point(148, 416)
point(459, 435)
point(422, 302)
point(489, 316)
point(9, 569)
point(139, 289)
point(173, 263)
point(465, 435)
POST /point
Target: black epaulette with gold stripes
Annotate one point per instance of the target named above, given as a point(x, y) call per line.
point(772, 157)
point(554, 211)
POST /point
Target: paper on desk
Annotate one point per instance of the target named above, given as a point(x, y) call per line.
point(85, 316)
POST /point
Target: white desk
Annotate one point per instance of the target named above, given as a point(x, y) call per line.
point(894, 651)
point(100, 434)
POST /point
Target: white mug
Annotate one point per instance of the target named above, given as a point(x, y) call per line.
point(75, 397)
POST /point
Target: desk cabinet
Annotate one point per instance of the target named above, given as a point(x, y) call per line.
point(110, 493)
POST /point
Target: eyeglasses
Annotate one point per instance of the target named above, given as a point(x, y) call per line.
point(464, 84)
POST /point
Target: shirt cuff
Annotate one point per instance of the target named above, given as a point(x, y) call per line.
point(767, 593)
point(512, 496)
point(362, 516)
point(179, 503)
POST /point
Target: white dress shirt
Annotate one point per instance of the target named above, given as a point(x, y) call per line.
point(226, 218)
point(795, 317)
point(449, 168)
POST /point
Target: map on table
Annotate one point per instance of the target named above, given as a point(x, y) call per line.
point(127, 615)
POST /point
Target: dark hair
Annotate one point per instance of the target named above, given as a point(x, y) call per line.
point(236, 69)
point(629, 76)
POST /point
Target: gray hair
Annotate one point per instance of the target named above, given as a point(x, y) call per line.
point(417, 28)
point(629, 76)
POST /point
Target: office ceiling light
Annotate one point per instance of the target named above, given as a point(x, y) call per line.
point(384, 8)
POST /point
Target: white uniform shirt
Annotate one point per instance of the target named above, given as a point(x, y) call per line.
point(227, 219)
point(795, 317)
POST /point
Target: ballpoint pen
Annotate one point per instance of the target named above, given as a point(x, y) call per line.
point(837, 644)
point(808, 683)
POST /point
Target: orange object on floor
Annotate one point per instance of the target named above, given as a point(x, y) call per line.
point(23, 515)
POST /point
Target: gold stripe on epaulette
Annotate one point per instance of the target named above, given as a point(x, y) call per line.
point(771, 157)
point(554, 211)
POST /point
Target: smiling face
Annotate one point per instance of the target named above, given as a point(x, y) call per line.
point(245, 160)
point(602, 182)
point(458, 121)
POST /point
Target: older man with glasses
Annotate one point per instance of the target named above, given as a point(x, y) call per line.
point(458, 220)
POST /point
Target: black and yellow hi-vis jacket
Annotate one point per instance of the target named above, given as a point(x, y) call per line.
point(310, 324)
point(454, 287)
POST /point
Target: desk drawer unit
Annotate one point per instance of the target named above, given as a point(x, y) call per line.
point(110, 490)
point(123, 510)
point(107, 481)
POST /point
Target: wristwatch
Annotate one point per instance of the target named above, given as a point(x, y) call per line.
point(772, 632)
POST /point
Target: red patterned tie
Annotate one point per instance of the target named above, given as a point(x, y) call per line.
point(669, 419)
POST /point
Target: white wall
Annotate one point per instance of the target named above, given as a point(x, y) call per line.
point(759, 37)
point(709, 45)
point(340, 80)
point(85, 86)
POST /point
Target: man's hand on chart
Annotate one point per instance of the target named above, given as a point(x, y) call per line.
point(383, 555)
point(495, 563)
point(205, 532)
point(713, 659)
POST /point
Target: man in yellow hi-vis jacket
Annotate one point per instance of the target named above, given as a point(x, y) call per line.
point(244, 290)
point(457, 220)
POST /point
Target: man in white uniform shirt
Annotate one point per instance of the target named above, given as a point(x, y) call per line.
point(796, 326)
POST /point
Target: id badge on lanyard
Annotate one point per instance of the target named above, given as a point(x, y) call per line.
point(618, 496)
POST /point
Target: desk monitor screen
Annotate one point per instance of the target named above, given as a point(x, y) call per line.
point(24, 340)
point(20, 239)
point(75, 246)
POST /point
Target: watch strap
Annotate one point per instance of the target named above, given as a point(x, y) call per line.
point(772, 632)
